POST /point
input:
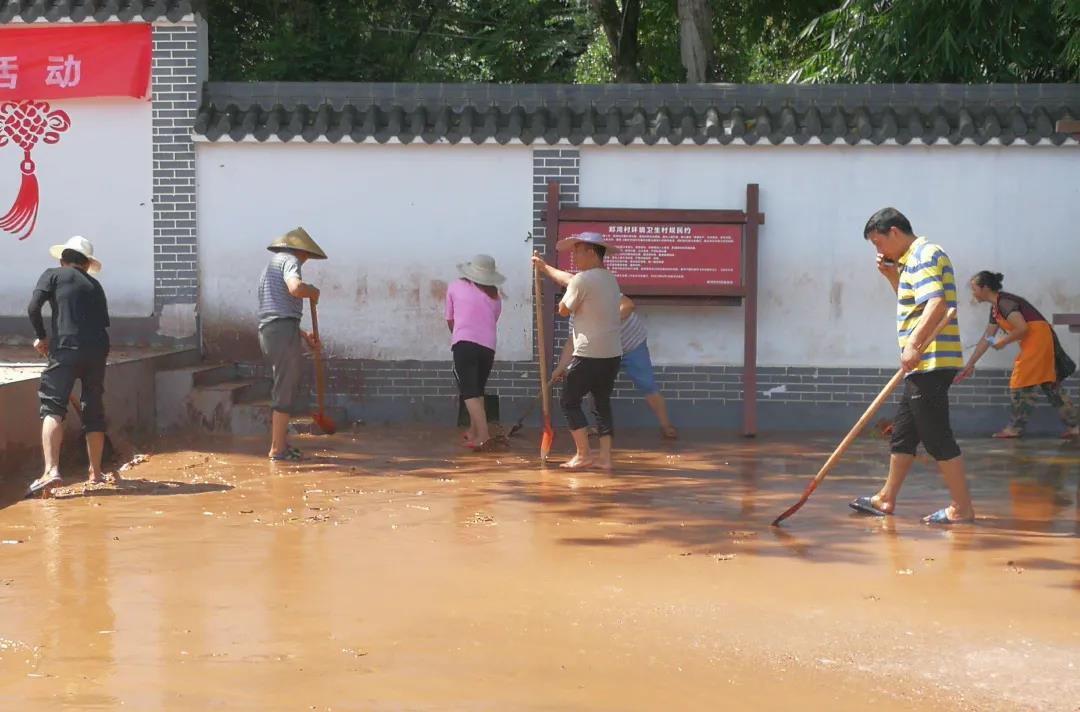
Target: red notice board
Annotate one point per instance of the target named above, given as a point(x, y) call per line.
point(669, 258)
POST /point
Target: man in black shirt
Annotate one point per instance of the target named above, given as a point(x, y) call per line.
point(77, 350)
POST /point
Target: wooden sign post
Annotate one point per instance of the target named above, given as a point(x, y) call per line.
point(683, 257)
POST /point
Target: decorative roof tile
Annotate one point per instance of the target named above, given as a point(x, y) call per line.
point(94, 10)
point(643, 113)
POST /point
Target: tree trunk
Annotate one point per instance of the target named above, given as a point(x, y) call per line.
point(621, 29)
point(696, 39)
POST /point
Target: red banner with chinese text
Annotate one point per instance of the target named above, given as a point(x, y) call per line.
point(667, 258)
point(75, 62)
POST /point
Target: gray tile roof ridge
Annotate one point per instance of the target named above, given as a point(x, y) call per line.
point(642, 112)
point(93, 10)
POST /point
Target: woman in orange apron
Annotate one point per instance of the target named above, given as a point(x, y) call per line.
point(1033, 369)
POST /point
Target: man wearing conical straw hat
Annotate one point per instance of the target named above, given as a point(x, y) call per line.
point(77, 350)
point(281, 305)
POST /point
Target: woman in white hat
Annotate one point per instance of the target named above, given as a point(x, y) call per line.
point(473, 307)
point(592, 297)
point(77, 350)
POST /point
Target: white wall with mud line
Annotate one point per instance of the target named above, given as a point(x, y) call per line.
point(1013, 210)
point(394, 219)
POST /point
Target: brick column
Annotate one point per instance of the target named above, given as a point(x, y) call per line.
point(176, 92)
point(562, 165)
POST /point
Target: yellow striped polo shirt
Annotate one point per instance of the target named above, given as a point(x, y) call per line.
point(926, 273)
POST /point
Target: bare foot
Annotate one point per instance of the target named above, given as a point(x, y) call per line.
point(95, 478)
point(577, 463)
point(603, 463)
point(1007, 434)
point(667, 432)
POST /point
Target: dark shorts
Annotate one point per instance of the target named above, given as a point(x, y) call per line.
point(283, 349)
point(923, 416)
point(594, 376)
point(58, 379)
point(472, 366)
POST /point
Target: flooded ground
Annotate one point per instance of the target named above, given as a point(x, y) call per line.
point(393, 571)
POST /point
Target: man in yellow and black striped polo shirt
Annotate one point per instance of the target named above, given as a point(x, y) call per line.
point(922, 276)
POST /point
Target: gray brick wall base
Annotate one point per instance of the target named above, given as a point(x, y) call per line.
point(800, 398)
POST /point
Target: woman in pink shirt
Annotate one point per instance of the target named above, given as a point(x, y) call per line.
point(472, 311)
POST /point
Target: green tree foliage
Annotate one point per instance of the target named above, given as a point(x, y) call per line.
point(963, 41)
point(753, 40)
point(397, 40)
point(569, 40)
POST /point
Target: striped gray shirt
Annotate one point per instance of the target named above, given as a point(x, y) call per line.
point(633, 333)
point(275, 302)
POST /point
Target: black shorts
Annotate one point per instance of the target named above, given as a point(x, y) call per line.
point(58, 379)
point(923, 416)
point(472, 366)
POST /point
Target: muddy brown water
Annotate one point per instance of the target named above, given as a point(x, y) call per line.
point(393, 571)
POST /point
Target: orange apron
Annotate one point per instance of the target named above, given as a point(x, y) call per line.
point(1035, 363)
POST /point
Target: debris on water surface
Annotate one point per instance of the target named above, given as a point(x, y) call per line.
point(724, 557)
point(905, 572)
point(481, 518)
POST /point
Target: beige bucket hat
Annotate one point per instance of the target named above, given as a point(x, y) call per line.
point(298, 239)
point(481, 269)
point(591, 238)
point(81, 245)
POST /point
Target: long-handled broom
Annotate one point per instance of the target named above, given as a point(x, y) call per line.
point(545, 387)
point(854, 433)
point(321, 419)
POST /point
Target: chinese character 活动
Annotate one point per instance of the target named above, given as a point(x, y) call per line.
point(9, 72)
point(64, 72)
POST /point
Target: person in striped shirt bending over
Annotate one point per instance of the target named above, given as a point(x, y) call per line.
point(636, 362)
point(922, 276)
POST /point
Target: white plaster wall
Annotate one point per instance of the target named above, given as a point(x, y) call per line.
point(1014, 210)
point(395, 220)
point(96, 182)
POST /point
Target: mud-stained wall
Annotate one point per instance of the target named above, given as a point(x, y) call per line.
point(96, 181)
point(394, 219)
point(823, 304)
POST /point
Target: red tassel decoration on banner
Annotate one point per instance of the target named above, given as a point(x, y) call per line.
point(24, 123)
point(23, 213)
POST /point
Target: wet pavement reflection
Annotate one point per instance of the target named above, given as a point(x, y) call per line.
point(392, 570)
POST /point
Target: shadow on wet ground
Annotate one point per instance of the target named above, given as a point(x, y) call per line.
point(398, 556)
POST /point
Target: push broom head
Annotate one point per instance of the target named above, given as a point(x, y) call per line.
point(545, 442)
point(325, 423)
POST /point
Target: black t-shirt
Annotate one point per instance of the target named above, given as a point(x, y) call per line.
point(80, 313)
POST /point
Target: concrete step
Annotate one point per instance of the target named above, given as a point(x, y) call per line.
point(253, 418)
point(241, 390)
point(211, 374)
point(202, 395)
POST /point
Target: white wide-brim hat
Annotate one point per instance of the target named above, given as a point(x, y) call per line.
point(481, 269)
point(589, 238)
point(81, 245)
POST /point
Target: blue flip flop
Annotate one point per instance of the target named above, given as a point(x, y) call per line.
point(289, 455)
point(39, 485)
point(942, 517)
point(865, 505)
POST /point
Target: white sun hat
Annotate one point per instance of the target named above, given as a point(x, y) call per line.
point(589, 238)
point(81, 245)
point(481, 269)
